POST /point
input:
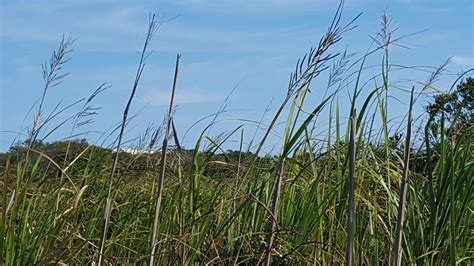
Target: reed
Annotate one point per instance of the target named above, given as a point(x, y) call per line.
point(397, 250)
point(153, 26)
point(161, 177)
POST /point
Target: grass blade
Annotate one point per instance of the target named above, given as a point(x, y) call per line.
point(397, 245)
point(161, 177)
point(351, 181)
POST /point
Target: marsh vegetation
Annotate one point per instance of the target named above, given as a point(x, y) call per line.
point(359, 188)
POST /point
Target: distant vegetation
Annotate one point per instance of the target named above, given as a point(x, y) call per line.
point(322, 199)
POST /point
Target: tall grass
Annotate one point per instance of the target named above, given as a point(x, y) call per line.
point(161, 177)
point(397, 245)
point(351, 185)
point(153, 26)
point(216, 207)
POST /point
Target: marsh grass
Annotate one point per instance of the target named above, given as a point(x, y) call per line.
point(329, 196)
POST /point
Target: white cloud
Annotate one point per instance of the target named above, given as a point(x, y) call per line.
point(117, 28)
point(120, 28)
point(186, 96)
point(258, 6)
point(463, 60)
point(199, 38)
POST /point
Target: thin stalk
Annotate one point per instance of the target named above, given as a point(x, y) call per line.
point(350, 214)
point(161, 177)
point(310, 66)
point(4, 207)
point(452, 205)
point(152, 28)
point(274, 215)
point(397, 245)
point(51, 77)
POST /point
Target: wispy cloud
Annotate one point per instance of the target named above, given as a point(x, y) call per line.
point(115, 29)
point(184, 97)
point(463, 60)
point(119, 28)
point(258, 39)
point(257, 6)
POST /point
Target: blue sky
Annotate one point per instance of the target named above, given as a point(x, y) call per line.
point(251, 45)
